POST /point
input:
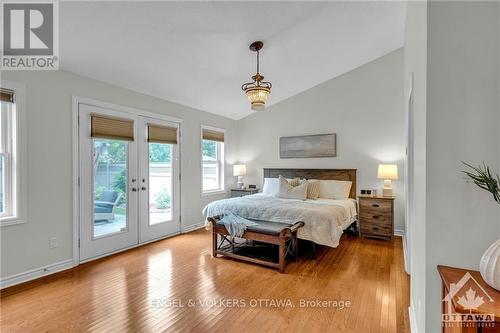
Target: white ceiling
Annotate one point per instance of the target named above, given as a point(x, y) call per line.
point(196, 53)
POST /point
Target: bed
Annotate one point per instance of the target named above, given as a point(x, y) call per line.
point(325, 219)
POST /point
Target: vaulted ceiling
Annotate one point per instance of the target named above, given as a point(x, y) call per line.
point(196, 53)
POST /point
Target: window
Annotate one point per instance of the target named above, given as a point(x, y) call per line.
point(212, 160)
point(10, 158)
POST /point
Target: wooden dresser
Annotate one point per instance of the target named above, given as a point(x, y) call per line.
point(376, 217)
point(468, 303)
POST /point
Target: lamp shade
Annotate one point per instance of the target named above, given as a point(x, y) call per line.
point(387, 171)
point(239, 170)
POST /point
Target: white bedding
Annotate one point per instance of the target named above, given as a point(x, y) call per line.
point(325, 219)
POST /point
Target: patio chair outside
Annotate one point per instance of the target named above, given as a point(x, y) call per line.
point(103, 208)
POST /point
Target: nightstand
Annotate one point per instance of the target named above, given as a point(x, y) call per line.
point(376, 217)
point(239, 192)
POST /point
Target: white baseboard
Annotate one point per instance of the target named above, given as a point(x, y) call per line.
point(399, 232)
point(193, 227)
point(405, 254)
point(67, 264)
point(413, 320)
point(36, 273)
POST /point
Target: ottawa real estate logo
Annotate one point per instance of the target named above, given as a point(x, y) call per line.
point(470, 297)
point(30, 36)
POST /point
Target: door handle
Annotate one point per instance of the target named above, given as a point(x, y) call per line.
point(134, 189)
point(143, 188)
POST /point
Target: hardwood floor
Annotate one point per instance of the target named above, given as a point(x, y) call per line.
point(140, 291)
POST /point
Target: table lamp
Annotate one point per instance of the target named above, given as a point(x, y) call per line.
point(240, 170)
point(387, 172)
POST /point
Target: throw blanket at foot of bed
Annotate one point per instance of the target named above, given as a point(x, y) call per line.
point(235, 225)
point(324, 221)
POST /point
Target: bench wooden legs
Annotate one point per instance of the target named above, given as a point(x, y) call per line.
point(295, 248)
point(282, 255)
point(214, 244)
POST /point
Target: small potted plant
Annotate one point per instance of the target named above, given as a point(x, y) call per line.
point(490, 261)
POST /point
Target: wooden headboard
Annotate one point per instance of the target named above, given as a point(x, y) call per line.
point(324, 174)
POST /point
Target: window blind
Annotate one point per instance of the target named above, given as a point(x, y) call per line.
point(213, 135)
point(162, 134)
point(106, 127)
point(6, 95)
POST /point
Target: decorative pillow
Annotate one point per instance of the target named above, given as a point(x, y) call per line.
point(312, 189)
point(271, 186)
point(287, 191)
point(294, 182)
point(334, 189)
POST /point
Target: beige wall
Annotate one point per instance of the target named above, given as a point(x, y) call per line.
point(48, 109)
point(364, 107)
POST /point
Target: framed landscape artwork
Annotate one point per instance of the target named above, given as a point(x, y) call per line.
point(308, 146)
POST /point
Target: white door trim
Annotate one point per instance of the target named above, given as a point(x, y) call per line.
point(76, 100)
point(409, 159)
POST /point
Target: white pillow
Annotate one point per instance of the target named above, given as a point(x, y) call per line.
point(287, 191)
point(334, 189)
point(271, 186)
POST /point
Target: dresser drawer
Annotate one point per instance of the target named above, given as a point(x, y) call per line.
point(373, 229)
point(375, 217)
point(376, 204)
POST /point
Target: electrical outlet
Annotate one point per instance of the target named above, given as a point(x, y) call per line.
point(53, 243)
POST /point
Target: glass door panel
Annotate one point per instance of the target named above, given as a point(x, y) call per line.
point(110, 186)
point(160, 183)
point(159, 203)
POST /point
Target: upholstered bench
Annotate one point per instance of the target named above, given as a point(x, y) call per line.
point(254, 249)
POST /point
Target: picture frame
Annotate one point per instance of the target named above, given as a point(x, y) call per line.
point(308, 146)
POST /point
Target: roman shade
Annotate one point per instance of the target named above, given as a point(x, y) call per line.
point(6, 95)
point(213, 135)
point(106, 127)
point(162, 134)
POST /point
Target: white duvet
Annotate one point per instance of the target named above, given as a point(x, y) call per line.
point(324, 219)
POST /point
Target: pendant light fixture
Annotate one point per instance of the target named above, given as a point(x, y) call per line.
point(258, 90)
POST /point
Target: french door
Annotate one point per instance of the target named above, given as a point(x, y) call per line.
point(129, 180)
point(159, 204)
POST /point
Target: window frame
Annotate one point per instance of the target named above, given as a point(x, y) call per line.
point(221, 147)
point(8, 151)
point(17, 148)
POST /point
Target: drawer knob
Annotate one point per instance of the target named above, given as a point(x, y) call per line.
point(376, 216)
point(375, 228)
point(375, 205)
